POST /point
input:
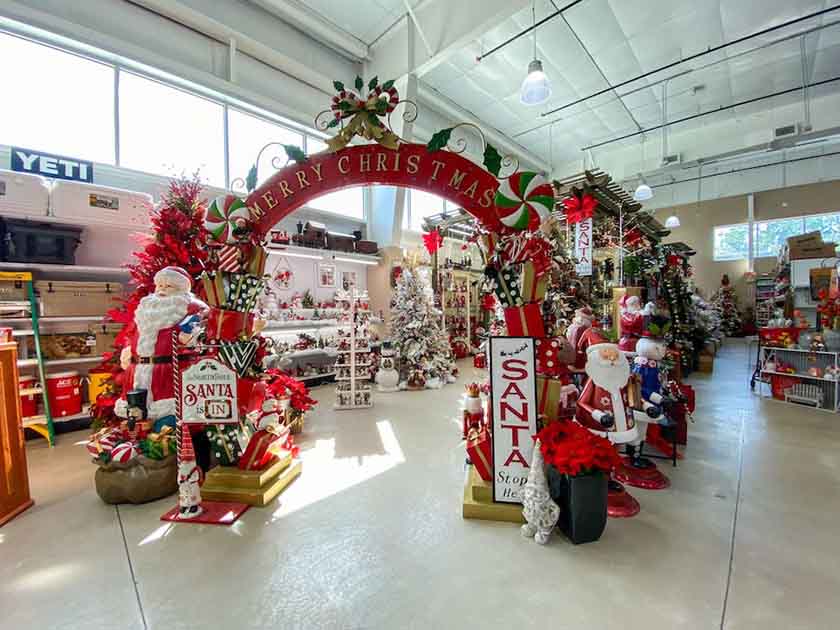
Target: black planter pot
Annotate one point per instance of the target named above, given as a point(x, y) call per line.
point(583, 504)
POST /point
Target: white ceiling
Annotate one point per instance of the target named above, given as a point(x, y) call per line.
point(626, 38)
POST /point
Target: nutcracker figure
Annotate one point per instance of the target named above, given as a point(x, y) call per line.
point(473, 409)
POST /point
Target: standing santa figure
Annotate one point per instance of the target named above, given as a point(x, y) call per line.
point(148, 357)
point(189, 478)
point(604, 408)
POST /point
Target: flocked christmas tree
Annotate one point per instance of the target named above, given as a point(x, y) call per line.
point(425, 356)
point(726, 303)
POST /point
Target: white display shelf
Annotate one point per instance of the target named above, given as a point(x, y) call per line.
point(54, 320)
point(291, 326)
point(312, 352)
point(312, 377)
point(29, 421)
point(325, 254)
point(57, 362)
point(359, 406)
point(63, 269)
point(797, 375)
point(775, 349)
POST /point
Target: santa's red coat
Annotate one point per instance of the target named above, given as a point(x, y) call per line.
point(632, 324)
point(162, 385)
point(594, 397)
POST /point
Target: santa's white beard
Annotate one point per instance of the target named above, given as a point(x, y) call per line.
point(155, 313)
point(606, 374)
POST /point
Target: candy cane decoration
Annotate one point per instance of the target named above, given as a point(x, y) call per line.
point(176, 381)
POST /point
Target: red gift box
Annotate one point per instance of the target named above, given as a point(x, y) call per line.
point(227, 325)
point(554, 355)
point(480, 452)
point(525, 321)
point(480, 361)
point(262, 448)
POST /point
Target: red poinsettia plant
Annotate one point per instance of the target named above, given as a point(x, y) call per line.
point(574, 450)
point(281, 384)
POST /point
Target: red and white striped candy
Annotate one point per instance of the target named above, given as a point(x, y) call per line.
point(124, 452)
point(230, 259)
point(101, 444)
point(223, 215)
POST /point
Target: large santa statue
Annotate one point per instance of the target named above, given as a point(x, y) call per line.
point(583, 333)
point(604, 408)
point(633, 318)
point(147, 360)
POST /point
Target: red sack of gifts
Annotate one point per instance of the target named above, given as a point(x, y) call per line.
point(480, 452)
point(224, 325)
point(264, 446)
point(525, 321)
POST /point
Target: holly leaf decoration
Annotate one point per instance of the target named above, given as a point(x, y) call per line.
point(439, 140)
point(338, 85)
point(295, 153)
point(373, 83)
point(492, 159)
point(359, 83)
point(333, 123)
point(251, 179)
point(387, 85)
point(344, 106)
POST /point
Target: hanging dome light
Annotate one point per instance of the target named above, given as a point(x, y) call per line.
point(643, 192)
point(672, 222)
point(536, 88)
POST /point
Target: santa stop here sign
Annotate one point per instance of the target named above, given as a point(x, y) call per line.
point(513, 401)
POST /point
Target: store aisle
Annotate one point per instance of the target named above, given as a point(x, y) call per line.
point(371, 536)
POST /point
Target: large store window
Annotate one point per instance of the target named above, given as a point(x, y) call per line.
point(349, 202)
point(247, 135)
point(56, 102)
point(770, 236)
point(421, 205)
point(731, 242)
point(167, 131)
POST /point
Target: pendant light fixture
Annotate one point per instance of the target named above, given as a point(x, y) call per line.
point(672, 222)
point(536, 88)
point(643, 191)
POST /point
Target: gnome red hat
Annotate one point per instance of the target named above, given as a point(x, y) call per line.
point(258, 395)
point(187, 453)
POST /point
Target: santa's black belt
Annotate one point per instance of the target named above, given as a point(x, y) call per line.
point(153, 360)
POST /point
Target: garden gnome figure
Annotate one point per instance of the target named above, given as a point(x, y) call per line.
point(189, 475)
point(539, 510)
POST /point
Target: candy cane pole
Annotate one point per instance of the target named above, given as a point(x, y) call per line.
point(176, 381)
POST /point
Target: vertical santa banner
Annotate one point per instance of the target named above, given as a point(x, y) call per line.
point(514, 411)
point(580, 208)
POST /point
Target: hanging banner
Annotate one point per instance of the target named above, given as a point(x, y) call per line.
point(208, 394)
point(583, 247)
point(513, 397)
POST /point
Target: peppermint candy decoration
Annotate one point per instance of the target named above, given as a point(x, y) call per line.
point(524, 200)
point(225, 215)
point(124, 453)
point(103, 444)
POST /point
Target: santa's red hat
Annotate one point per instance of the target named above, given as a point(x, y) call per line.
point(186, 454)
point(176, 275)
point(585, 311)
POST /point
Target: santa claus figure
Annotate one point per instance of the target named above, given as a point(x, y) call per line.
point(189, 479)
point(604, 408)
point(583, 333)
point(266, 410)
point(148, 358)
point(580, 322)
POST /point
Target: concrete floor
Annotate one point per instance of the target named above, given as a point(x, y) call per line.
point(371, 536)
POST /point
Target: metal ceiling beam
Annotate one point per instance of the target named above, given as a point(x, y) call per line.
point(708, 51)
point(748, 101)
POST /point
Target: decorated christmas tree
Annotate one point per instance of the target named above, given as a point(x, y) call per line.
point(425, 355)
point(726, 304)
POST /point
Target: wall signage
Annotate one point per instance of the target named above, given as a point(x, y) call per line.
point(514, 407)
point(208, 393)
point(49, 165)
point(583, 247)
point(444, 173)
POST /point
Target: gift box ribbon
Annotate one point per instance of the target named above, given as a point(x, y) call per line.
point(214, 288)
point(579, 208)
point(474, 438)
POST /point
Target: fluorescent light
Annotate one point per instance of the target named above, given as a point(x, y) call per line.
point(297, 255)
point(643, 192)
point(536, 88)
point(672, 222)
point(356, 260)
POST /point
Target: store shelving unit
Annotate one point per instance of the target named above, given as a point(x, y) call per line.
point(33, 324)
point(354, 390)
point(765, 299)
point(801, 360)
point(459, 301)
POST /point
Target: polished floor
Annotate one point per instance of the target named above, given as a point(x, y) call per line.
point(371, 536)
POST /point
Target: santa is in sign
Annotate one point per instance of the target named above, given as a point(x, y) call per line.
point(148, 358)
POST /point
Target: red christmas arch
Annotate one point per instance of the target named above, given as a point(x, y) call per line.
point(443, 173)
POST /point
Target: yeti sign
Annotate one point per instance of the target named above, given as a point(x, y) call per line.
point(208, 394)
point(514, 407)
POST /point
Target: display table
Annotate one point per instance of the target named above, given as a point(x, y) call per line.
point(14, 479)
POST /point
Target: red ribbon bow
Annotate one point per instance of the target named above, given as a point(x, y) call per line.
point(579, 208)
point(433, 240)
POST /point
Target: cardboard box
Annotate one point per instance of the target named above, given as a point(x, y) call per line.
point(64, 345)
point(705, 364)
point(68, 298)
point(810, 245)
point(104, 336)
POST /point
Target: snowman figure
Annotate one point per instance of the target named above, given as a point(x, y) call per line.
point(387, 377)
point(539, 510)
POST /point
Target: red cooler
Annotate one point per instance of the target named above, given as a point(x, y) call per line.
point(28, 403)
point(65, 393)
